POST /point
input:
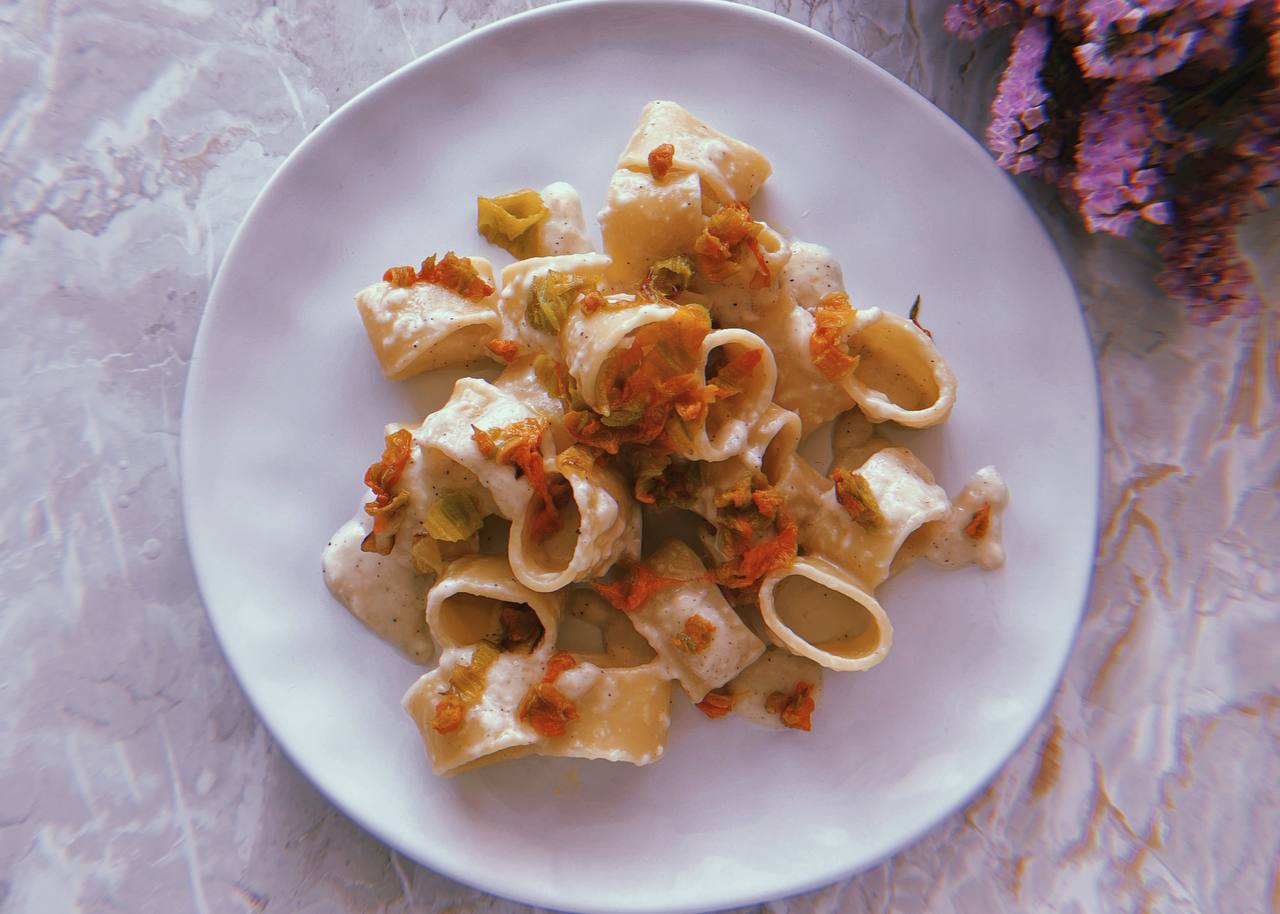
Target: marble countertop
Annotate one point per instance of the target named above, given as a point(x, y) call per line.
point(133, 140)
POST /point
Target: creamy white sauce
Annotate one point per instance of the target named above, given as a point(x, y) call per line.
point(382, 591)
point(854, 440)
point(810, 274)
point(906, 495)
point(775, 671)
point(449, 431)
point(517, 279)
point(944, 541)
point(564, 230)
point(801, 386)
point(573, 684)
point(431, 473)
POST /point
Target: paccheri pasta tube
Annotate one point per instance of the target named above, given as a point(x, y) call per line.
point(491, 436)
point(622, 716)
point(860, 518)
point(484, 704)
point(817, 610)
point(730, 169)
point(739, 374)
point(634, 500)
point(467, 708)
point(899, 375)
point(697, 636)
point(772, 442)
point(441, 314)
point(537, 294)
point(645, 220)
point(656, 374)
point(477, 599)
point(593, 522)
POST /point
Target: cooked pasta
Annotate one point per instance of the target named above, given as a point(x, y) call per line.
point(667, 379)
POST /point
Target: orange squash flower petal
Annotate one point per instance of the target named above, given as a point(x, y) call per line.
point(980, 523)
point(520, 445)
point(798, 710)
point(696, 635)
point(648, 385)
point(733, 378)
point(400, 277)
point(831, 318)
point(660, 158)
point(450, 713)
point(764, 276)
point(381, 478)
point(717, 703)
point(457, 274)
point(637, 584)
point(855, 496)
point(756, 561)
point(547, 710)
point(560, 662)
point(507, 350)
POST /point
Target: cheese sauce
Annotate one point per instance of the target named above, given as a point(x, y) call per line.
point(382, 591)
point(564, 230)
point(944, 542)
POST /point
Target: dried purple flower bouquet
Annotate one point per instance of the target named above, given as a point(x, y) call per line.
point(1154, 112)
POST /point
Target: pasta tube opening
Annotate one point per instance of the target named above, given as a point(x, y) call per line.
point(476, 600)
point(554, 553)
point(597, 523)
point(740, 374)
point(468, 618)
point(900, 376)
point(443, 314)
point(817, 610)
point(782, 428)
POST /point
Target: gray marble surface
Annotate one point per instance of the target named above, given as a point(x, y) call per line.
point(134, 776)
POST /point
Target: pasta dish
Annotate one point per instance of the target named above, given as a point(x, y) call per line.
point(661, 385)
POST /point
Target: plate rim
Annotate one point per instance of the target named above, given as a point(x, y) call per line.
point(717, 898)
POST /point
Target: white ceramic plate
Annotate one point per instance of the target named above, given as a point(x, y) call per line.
point(285, 407)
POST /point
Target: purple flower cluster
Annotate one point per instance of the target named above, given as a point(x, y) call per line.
point(1147, 39)
point(1155, 113)
point(1019, 111)
point(1121, 159)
